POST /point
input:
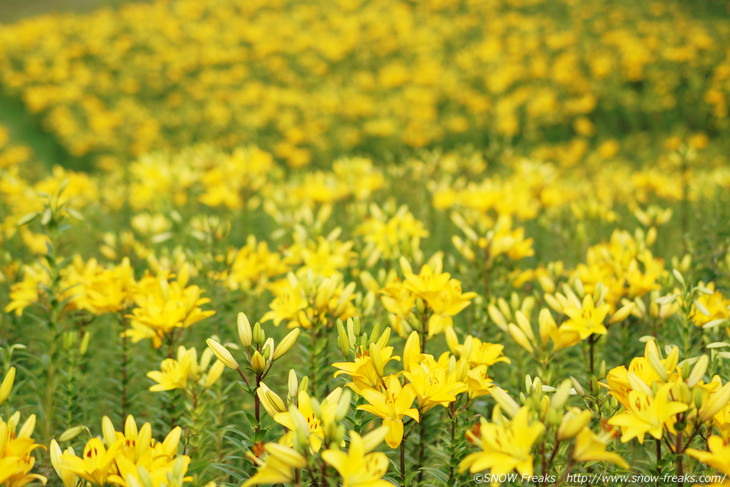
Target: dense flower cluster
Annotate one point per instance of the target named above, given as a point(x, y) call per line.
point(397, 73)
point(366, 243)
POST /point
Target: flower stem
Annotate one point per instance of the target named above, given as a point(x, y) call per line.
point(680, 458)
point(658, 442)
point(403, 462)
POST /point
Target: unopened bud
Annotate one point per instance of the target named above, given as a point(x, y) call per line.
point(258, 362)
point(271, 402)
point(259, 337)
point(71, 433)
point(715, 402)
point(287, 343)
point(304, 384)
point(508, 404)
point(84, 347)
point(214, 373)
point(377, 360)
point(698, 371)
point(7, 385)
point(293, 384)
point(578, 388)
point(560, 397)
point(27, 429)
point(268, 348)
point(343, 406)
point(222, 354)
point(573, 423)
point(245, 334)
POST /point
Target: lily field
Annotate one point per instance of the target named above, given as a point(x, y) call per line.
point(365, 243)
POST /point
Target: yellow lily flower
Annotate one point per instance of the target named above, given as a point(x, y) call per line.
point(647, 414)
point(718, 457)
point(586, 319)
point(7, 385)
point(434, 385)
point(363, 371)
point(68, 478)
point(315, 423)
point(478, 382)
point(96, 463)
point(163, 306)
point(358, 467)
point(392, 404)
point(279, 466)
point(505, 447)
point(175, 373)
point(16, 460)
point(588, 447)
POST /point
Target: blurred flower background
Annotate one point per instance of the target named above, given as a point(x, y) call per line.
point(364, 242)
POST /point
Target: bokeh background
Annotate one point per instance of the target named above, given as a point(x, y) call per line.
point(256, 154)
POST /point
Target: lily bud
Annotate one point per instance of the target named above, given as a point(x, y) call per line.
point(288, 456)
point(304, 384)
point(245, 334)
point(547, 325)
point(356, 325)
point(652, 353)
point(508, 404)
point(258, 362)
point(411, 351)
point(108, 432)
point(7, 385)
point(271, 402)
point(268, 348)
point(497, 317)
point(222, 354)
point(715, 402)
point(286, 344)
point(622, 313)
point(560, 397)
point(343, 406)
point(259, 337)
point(215, 372)
point(467, 348)
point(343, 344)
point(452, 341)
point(293, 384)
point(573, 422)
point(698, 371)
point(377, 360)
point(27, 429)
point(578, 388)
point(519, 336)
point(71, 433)
point(84, 347)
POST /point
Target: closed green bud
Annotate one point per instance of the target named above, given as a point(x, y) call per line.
point(343, 407)
point(377, 361)
point(578, 388)
point(259, 337)
point(84, 347)
point(268, 348)
point(343, 342)
point(356, 325)
point(293, 384)
point(420, 305)
point(71, 433)
point(698, 371)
